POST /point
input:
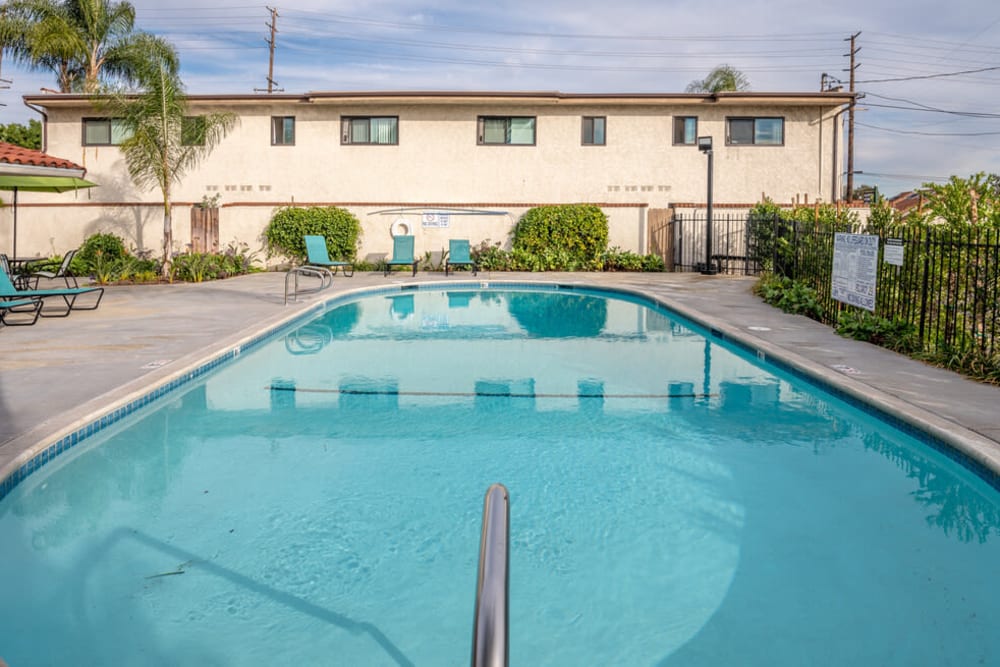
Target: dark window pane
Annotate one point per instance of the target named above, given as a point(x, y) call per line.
point(193, 131)
point(741, 131)
point(685, 130)
point(494, 130)
point(283, 130)
point(96, 132)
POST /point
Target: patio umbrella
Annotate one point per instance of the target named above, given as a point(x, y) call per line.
point(21, 182)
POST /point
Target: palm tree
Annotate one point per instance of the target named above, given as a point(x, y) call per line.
point(81, 41)
point(164, 142)
point(721, 79)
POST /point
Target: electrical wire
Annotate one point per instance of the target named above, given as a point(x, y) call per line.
point(927, 134)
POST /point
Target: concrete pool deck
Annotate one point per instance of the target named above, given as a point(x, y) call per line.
point(61, 373)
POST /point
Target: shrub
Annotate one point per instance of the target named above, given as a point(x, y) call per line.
point(791, 296)
point(566, 237)
point(108, 247)
point(974, 362)
point(288, 227)
point(195, 267)
point(896, 334)
point(616, 259)
point(236, 260)
point(490, 256)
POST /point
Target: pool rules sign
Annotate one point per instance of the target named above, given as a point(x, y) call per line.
point(855, 268)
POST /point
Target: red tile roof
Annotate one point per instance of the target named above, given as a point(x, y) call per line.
point(11, 154)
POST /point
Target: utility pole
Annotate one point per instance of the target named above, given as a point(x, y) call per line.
point(273, 25)
point(850, 118)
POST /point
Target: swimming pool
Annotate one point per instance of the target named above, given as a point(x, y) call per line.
point(673, 501)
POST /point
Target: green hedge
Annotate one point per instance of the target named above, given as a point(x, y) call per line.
point(288, 227)
point(576, 234)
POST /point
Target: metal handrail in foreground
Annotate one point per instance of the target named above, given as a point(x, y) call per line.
point(324, 275)
point(489, 640)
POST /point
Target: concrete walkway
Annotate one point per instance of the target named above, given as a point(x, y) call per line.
point(61, 373)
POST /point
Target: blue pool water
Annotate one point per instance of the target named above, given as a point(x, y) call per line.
point(673, 502)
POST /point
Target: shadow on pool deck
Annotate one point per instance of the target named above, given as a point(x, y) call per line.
point(60, 373)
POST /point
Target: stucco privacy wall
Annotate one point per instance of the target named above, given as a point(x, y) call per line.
point(437, 163)
point(45, 231)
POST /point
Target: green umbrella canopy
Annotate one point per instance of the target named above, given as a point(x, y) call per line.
point(42, 183)
point(19, 182)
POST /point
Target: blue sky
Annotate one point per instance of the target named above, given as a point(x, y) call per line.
point(918, 121)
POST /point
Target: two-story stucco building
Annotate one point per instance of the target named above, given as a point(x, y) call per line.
point(448, 164)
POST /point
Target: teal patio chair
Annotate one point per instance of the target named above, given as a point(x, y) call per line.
point(316, 255)
point(69, 294)
point(458, 255)
point(402, 254)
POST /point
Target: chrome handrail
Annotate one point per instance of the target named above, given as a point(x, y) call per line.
point(324, 275)
point(489, 641)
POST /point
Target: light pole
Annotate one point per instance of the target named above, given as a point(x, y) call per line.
point(705, 146)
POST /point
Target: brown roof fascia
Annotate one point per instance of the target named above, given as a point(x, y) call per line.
point(492, 97)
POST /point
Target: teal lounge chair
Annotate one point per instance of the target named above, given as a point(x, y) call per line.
point(402, 254)
point(317, 256)
point(69, 294)
point(458, 255)
point(26, 306)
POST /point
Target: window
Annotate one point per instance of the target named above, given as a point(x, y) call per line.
point(755, 131)
point(593, 130)
point(381, 130)
point(193, 131)
point(685, 130)
point(282, 130)
point(104, 132)
point(512, 130)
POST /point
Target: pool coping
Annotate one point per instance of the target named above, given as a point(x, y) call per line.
point(42, 445)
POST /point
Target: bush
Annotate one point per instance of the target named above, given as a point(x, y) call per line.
point(896, 334)
point(103, 248)
point(563, 237)
point(616, 259)
point(974, 362)
point(790, 296)
point(194, 267)
point(288, 227)
point(490, 256)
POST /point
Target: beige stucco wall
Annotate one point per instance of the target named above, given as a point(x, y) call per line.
point(437, 163)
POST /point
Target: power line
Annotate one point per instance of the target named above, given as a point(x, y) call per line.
point(933, 76)
point(905, 177)
point(966, 114)
point(715, 55)
point(927, 107)
point(440, 27)
point(383, 55)
point(929, 134)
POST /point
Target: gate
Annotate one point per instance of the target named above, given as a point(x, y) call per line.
point(679, 238)
point(661, 237)
point(204, 229)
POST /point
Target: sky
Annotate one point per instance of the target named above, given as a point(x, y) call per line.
point(929, 71)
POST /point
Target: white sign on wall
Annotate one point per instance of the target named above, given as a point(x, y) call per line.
point(435, 220)
point(855, 268)
point(892, 253)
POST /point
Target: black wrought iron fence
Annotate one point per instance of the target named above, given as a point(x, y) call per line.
point(730, 249)
point(947, 284)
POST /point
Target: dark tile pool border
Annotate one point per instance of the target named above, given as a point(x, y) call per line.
point(71, 440)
